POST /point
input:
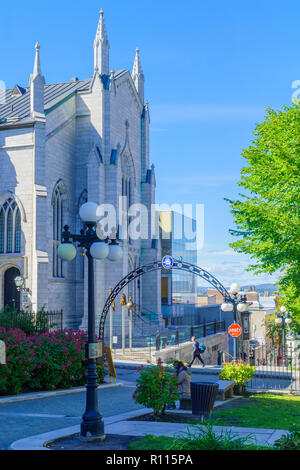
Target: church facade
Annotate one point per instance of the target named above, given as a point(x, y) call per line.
point(61, 145)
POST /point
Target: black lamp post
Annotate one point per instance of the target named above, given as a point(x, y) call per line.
point(283, 319)
point(237, 304)
point(92, 426)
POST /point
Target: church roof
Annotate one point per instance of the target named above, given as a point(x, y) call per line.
point(15, 107)
point(15, 102)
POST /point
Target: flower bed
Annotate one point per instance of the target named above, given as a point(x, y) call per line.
point(42, 362)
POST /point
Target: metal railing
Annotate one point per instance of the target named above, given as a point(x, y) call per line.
point(146, 341)
point(30, 322)
point(274, 371)
point(173, 337)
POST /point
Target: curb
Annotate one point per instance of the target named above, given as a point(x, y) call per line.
point(39, 441)
point(57, 393)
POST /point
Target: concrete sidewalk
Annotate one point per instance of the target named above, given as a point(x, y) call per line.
point(119, 425)
point(55, 393)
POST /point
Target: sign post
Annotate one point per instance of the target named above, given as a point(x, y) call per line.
point(110, 364)
point(234, 331)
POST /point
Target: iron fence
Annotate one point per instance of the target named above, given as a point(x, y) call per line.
point(30, 322)
point(274, 370)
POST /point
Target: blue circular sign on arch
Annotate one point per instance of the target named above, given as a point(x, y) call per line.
point(167, 262)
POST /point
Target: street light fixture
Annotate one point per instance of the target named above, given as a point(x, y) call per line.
point(283, 319)
point(92, 426)
point(234, 288)
point(19, 281)
point(235, 304)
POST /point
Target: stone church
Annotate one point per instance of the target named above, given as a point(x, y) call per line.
point(60, 145)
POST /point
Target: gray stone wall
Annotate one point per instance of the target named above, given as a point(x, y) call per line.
point(61, 147)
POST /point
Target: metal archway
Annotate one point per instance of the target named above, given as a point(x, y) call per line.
point(154, 266)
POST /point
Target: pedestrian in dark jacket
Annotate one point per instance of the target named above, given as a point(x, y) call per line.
point(196, 352)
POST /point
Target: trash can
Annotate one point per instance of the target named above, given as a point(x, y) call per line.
point(203, 396)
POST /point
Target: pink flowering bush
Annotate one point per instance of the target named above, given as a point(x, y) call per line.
point(19, 361)
point(157, 388)
point(42, 362)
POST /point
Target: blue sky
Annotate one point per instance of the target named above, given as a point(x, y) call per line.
point(211, 69)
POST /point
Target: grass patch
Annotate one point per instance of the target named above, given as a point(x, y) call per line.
point(150, 442)
point(261, 411)
point(193, 441)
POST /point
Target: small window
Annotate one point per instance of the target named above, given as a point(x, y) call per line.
point(246, 325)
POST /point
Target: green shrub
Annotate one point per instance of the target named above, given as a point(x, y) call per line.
point(26, 321)
point(101, 372)
point(13, 318)
point(157, 388)
point(206, 439)
point(290, 441)
point(238, 371)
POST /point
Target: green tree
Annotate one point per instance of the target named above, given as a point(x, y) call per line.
point(267, 216)
point(273, 331)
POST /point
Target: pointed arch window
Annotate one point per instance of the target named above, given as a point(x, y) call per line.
point(17, 232)
point(10, 227)
point(128, 180)
point(58, 203)
point(80, 225)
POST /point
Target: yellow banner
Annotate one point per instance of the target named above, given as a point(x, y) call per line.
point(110, 364)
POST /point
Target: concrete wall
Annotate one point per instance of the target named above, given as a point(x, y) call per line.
point(183, 351)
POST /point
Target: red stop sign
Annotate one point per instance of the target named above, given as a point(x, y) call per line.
point(234, 330)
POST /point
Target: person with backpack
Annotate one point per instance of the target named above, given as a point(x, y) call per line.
point(198, 349)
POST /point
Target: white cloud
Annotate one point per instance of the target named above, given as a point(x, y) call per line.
point(229, 272)
point(224, 253)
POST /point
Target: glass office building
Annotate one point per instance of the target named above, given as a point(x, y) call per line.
point(178, 288)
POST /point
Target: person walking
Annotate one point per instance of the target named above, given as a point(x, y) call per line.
point(197, 351)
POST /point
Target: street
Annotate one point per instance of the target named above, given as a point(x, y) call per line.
point(30, 417)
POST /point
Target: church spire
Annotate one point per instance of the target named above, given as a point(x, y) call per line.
point(37, 83)
point(101, 48)
point(137, 75)
point(37, 70)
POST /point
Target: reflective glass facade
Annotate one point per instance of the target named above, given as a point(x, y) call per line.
point(178, 239)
